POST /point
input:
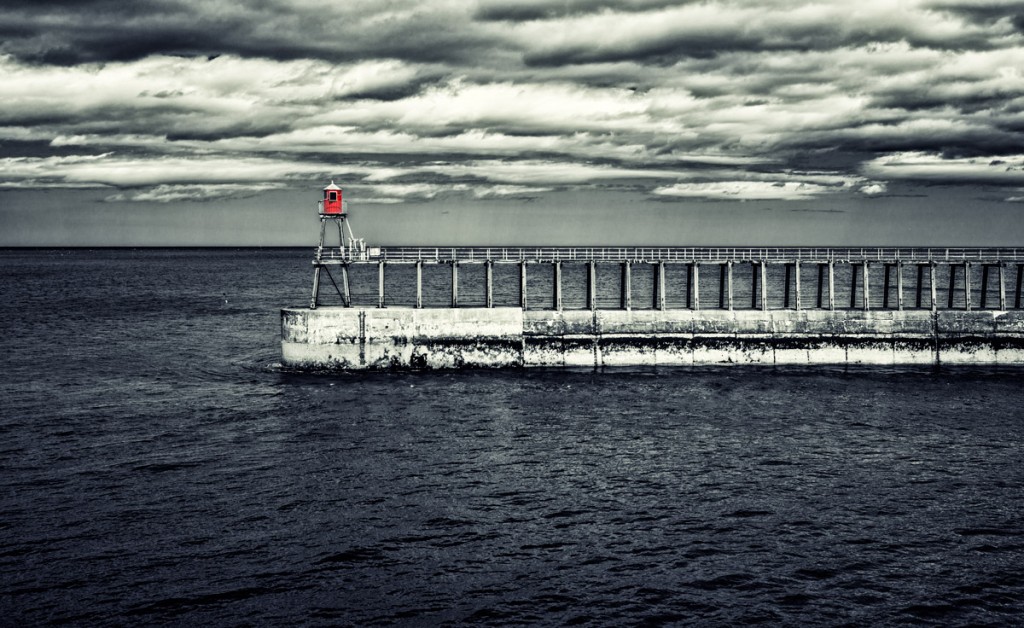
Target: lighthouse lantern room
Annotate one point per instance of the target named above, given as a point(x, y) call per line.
point(332, 204)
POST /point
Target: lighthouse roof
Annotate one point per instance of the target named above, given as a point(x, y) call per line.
point(332, 186)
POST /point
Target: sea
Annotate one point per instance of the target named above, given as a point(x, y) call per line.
point(159, 466)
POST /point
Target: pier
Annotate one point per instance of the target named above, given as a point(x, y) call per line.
point(699, 278)
point(608, 306)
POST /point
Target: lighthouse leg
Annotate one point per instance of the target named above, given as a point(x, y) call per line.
point(316, 288)
point(316, 271)
point(346, 296)
point(320, 246)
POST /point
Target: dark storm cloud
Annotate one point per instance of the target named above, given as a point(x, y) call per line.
point(982, 11)
point(940, 139)
point(703, 31)
point(726, 100)
point(117, 31)
point(528, 10)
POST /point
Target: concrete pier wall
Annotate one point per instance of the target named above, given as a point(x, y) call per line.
point(410, 338)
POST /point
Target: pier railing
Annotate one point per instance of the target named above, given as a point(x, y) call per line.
point(980, 280)
point(692, 254)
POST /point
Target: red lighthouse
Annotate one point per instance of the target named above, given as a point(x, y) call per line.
point(333, 209)
point(332, 205)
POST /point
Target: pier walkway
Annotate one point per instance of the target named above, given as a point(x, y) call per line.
point(682, 254)
point(696, 277)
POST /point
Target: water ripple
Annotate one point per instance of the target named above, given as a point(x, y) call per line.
point(159, 467)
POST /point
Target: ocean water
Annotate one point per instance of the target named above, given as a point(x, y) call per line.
point(158, 466)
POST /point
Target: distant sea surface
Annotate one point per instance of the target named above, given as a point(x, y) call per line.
point(158, 466)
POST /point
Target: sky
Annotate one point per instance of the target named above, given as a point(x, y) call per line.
point(576, 122)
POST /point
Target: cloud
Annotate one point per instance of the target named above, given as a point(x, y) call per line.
point(113, 170)
point(724, 99)
point(385, 193)
point(528, 10)
point(873, 189)
point(706, 29)
point(103, 31)
point(747, 190)
point(934, 168)
point(198, 192)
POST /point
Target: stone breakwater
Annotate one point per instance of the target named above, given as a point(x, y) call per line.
point(410, 338)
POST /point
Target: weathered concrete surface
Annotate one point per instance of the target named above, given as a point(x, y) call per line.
point(404, 338)
point(401, 338)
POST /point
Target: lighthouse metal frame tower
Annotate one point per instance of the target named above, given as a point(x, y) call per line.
point(332, 208)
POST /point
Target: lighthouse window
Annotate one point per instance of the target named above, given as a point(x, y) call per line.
point(334, 196)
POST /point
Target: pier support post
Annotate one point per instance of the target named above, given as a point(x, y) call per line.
point(455, 284)
point(380, 283)
point(689, 284)
point(659, 286)
point(753, 285)
point(696, 286)
point(853, 285)
point(952, 284)
point(796, 271)
point(821, 281)
point(1020, 275)
point(728, 283)
point(920, 284)
point(867, 292)
point(899, 286)
point(764, 286)
point(557, 286)
point(1002, 287)
point(785, 289)
point(489, 283)
point(721, 287)
point(931, 284)
point(983, 299)
point(592, 285)
point(346, 294)
point(831, 285)
point(522, 284)
point(886, 284)
point(419, 284)
point(967, 285)
point(626, 288)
